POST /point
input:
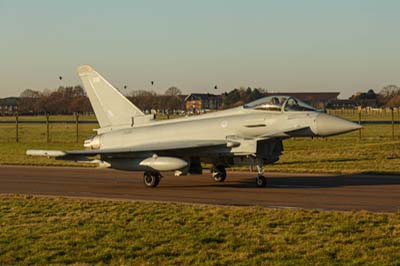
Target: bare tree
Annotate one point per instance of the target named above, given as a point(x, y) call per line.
point(390, 90)
point(173, 91)
point(143, 99)
point(387, 93)
point(28, 93)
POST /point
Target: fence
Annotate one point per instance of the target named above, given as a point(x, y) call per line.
point(387, 123)
point(375, 116)
point(367, 114)
point(46, 120)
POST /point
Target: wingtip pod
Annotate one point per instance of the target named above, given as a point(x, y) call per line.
point(84, 70)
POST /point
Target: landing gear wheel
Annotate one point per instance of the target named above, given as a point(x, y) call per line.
point(218, 173)
point(261, 181)
point(151, 179)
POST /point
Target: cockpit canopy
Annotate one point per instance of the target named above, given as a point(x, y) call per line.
point(279, 103)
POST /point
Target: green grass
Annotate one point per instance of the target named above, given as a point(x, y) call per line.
point(33, 136)
point(376, 151)
point(44, 231)
point(340, 156)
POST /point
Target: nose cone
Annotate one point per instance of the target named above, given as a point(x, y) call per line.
point(328, 125)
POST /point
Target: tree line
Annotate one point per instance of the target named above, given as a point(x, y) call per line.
point(388, 96)
point(237, 97)
point(64, 100)
point(68, 100)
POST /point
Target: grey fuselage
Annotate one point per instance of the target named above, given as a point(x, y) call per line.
point(237, 122)
point(252, 133)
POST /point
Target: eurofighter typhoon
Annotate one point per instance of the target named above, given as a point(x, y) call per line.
point(251, 134)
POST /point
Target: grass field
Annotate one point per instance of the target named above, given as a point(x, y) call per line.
point(376, 152)
point(45, 231)
point(62, 136)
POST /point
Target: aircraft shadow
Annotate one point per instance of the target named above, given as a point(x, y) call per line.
point(296, 182)
point(323, 161)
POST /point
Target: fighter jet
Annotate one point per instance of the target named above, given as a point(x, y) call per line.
point(251, 134)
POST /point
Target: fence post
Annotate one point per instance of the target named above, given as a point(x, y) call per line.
point(16, 128)
point(47, 128)
point(392, 109)
point(359, 122)
point(77, 126)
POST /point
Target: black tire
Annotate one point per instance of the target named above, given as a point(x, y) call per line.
point(219, 173)
point(151, 179)
point(261, 181)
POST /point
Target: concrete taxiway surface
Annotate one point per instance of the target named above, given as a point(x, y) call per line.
point(310, 191)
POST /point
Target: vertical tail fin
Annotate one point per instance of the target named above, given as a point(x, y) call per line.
point(112, 109)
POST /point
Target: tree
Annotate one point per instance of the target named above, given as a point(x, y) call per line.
point(144, 100)
point(173, 91)
point(254, 95)
point(231, 98)
point(79, 91)
point(63, 100)
point(393, 101)
point(28, 93)
point(387, 93)
point(79, 104)
point(242, 95)
point(28, 101)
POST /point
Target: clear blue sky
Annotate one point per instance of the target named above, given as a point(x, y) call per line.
point(342, 45)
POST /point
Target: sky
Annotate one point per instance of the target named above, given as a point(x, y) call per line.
point(285, 46)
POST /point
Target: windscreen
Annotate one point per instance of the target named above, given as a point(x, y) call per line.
point(275, 103)
point(294, 104)
point(271, 103)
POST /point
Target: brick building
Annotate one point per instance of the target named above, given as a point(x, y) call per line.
point(202, 101)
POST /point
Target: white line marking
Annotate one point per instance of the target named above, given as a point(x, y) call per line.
point(291, 186)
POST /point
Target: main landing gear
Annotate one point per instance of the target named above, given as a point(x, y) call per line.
point(261, 181)
point(218, 173)
point(151, 178)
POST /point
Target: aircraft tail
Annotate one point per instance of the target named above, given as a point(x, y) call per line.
point(112, 109)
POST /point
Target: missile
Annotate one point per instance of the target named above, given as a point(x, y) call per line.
point(164, 163)
point(46, 153)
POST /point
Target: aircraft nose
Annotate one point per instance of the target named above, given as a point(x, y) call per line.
point(328, 125)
